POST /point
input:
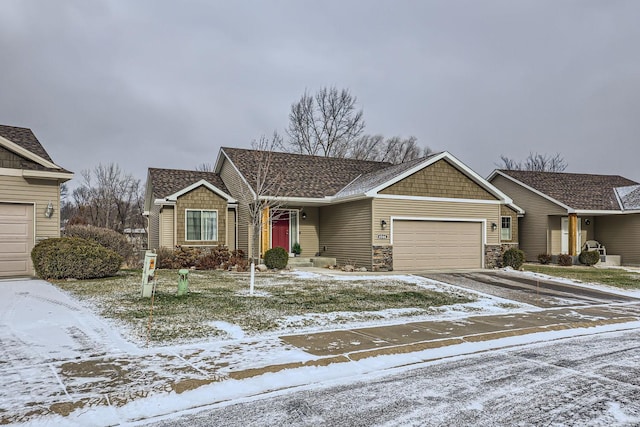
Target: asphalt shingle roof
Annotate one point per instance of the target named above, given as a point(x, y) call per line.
point(630, 197)
point(166, 182)
point(578, 191)
point(26, 139)
point(304, 175)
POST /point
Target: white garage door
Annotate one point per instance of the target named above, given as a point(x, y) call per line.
point(428, 245)
point(16, 239)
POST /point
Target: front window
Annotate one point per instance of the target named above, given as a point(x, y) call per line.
point(202, 225)
point(505, 229)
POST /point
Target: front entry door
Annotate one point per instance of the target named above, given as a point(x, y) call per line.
point(280, 232)
point(565, 236)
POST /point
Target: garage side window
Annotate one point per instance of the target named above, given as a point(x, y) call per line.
point(202, 225)
point(505, 228)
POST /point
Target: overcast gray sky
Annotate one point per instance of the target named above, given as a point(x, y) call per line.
point(166, 83)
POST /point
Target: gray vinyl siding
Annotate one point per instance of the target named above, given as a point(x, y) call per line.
point(231, 229)
point(620, 234)
point(384, 209)
point(239, 191)
point(310, 232)
point(154, 227)
point(533, 230)
point(39, 191)
point(345, 233)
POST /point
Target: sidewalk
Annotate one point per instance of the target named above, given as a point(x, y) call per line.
point(114, 380)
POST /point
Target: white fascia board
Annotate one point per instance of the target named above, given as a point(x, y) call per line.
point(533, 190)
point(12, 146)
point(164, 202)
point(219, 167)
point(517, 208)
point(10, 172)
point(300, 200)
point(439, 199)
point(64, 176)
point(205, 183)
point(600, 212)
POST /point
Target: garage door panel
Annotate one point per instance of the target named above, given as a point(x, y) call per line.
point(16, 239)
point(422, 245)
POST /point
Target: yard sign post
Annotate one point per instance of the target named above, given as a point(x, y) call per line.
point(148, 274)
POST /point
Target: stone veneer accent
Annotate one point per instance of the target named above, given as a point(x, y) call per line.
point(493, 254)
point(382, 258)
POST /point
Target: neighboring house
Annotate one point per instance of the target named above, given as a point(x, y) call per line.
point(29, 198)
point(189, 208)
point(429, 213)
point(564, 210)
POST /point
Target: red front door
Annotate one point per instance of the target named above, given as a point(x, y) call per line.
point(280, 232)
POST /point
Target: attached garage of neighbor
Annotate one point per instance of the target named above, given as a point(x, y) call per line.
point(16, 239)
point(437, 244)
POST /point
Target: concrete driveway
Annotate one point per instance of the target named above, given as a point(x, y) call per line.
point(537, 292)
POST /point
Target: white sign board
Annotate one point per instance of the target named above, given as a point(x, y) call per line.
point(148, 273)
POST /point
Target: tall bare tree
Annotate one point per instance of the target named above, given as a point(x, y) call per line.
point(534, 162)
point(325, 124)
point(394, 150)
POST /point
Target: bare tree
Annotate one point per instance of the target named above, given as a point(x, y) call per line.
point(325, 123)
point(262, 198)
point(394, 150)
point(535, 162)
point(205, 167)
point(109, 198)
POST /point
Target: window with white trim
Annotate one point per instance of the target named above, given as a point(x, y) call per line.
point(201, 225)
point(505, 228)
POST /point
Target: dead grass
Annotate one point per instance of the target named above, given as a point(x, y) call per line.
point(219, 296)
point(607, 276)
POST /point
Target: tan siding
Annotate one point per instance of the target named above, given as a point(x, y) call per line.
point(310, 232)
point(345, 233)
point(386, 208)
point(238, 190)
point(201, 198)
point(167, 226)
point(440, 179)
point(507, 211)
point(620, 234)
point(533, 227)
point(231, 229)
point(154, 227)
point(554, 227)
point(40, 192)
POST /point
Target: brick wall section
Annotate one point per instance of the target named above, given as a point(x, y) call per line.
point(440, 179)
point(507, 211)
point(493, 254)
point(201, 198)
point(383, 258)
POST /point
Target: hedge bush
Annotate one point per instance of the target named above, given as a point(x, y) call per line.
point(73, 257)
point(513, 258)
point(276, 258)
point(201, 258)
point(108, 238)
point(589, 257)
point(565, 260)
point(544, 258)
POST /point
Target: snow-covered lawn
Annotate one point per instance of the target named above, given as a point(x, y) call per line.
point(219, 306)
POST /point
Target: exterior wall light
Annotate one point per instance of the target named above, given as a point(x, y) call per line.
point(48, 211)
point(383, 223)
point(494, 226)
point(304, 215)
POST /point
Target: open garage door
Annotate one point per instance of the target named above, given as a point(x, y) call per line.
point(430, 245)
point(16, 239)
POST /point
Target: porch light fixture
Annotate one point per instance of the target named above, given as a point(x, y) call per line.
point(383, 223)
point(304, 215)
point(494, 226)
point(587, 221)
point(48, 211)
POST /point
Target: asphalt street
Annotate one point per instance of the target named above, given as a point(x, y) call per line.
point(582, 381)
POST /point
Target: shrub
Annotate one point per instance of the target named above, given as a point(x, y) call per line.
point(544, 258)
point(73, 257)
point(565, 260)
point(513, 258)
point(296, 249)
point(589, 257)
point(106, 237)
point(276, 258)
point(201, 259)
